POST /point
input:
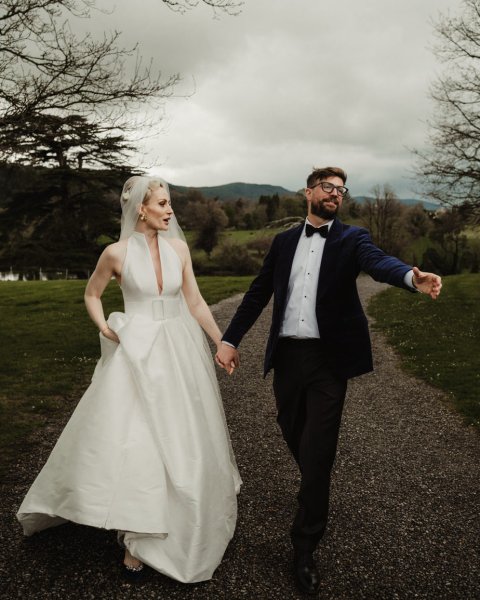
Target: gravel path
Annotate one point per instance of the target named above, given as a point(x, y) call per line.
point(405, 501)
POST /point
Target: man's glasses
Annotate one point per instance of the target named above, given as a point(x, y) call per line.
point(329, 187)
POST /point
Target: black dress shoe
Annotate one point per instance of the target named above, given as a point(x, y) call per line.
point(306, 574)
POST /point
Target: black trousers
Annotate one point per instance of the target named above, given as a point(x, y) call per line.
point(310, 400)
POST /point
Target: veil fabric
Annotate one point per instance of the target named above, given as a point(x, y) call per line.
point(132, 196)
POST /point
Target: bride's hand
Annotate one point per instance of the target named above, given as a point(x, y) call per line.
point(227, 357)
point(111, 335)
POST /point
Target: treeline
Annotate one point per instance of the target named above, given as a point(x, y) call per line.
point(57, 218)
point(208, 219)
point(192, 210)
point(63, 218)
point(446, 241)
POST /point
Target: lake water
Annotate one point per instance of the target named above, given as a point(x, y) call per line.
point(41, 275)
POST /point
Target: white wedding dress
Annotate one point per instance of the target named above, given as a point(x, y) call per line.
point(147, 450)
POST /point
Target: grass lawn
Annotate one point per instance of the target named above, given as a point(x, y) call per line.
point(236, 236)
point(49, 349)
point(243, 236)
point(438, 341)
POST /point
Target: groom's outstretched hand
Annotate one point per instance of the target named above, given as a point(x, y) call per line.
point(427, 283)
point(227, 357)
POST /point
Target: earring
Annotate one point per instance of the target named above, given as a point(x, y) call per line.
point(143, 217)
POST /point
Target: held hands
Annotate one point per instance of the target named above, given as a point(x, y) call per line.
point(227, 357)
point(427, 283)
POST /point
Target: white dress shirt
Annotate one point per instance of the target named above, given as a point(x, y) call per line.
point(300, 320)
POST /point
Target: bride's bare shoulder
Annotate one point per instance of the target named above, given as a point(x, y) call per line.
point(115, 251)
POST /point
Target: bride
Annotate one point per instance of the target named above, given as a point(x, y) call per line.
point(147, 450)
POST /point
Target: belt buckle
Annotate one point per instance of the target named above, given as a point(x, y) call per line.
point(158, 310)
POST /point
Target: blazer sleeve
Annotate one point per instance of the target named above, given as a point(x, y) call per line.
point(255, 299)
point(382, 267)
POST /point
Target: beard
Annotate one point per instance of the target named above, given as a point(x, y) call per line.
point(320, 210)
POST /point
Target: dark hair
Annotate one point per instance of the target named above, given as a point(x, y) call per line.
point(322, 173)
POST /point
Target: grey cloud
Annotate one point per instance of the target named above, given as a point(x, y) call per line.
point(290, 84)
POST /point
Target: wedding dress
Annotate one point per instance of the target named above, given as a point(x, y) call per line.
point(147, 450)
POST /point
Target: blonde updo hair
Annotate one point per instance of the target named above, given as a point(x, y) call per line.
point(152, 185)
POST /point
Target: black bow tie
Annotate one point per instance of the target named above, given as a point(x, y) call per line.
point(310, 230)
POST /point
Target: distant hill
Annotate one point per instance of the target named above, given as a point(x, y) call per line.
point(253, 191)
point(16, 176)
point(233, 191)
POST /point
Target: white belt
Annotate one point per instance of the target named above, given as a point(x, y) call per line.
point(158, 309)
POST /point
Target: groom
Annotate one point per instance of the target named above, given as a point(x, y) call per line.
point(318, 339)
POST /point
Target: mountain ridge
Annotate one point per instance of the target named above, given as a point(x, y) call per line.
point(252, 191)
point(235, 190)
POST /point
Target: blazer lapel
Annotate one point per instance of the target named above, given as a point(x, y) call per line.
point(287, 255)
point(329, 258)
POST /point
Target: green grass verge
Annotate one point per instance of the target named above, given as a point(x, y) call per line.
point(50, 347)
point(438, 341)
point(243, 236)
point(215, 288)
point(236, 236)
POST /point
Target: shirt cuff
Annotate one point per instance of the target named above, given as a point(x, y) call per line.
point(408, 279)
point(228, 344)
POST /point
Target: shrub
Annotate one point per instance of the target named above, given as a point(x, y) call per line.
point(235, 259)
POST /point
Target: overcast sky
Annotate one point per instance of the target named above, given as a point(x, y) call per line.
point(289, 84)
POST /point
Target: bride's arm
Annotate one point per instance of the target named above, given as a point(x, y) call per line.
point(195, 302)
point(106, 268)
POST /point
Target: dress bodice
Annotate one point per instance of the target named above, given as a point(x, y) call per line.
point(139, 281)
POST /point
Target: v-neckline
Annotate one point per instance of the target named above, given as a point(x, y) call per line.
point(157, 287)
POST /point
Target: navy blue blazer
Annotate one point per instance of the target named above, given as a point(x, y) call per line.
point(341, 321)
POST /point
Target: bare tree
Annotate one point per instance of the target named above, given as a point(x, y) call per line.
point(450, 167)
point(44, 66)
point(46, 69)
point(451, 243)
point(231, 7)
point(67, 101)
point(381, 215)
point(416, 221)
